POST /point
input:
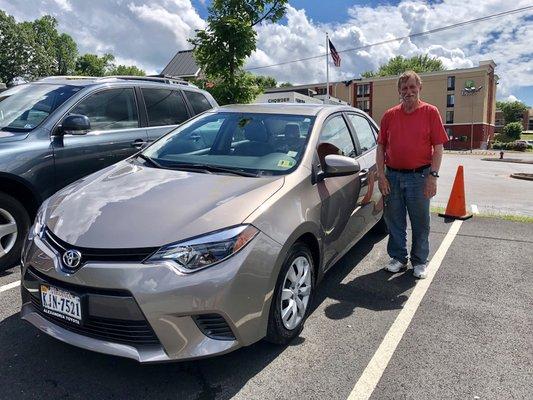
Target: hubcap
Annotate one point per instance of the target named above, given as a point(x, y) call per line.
point(295, 292)
point(8, 232)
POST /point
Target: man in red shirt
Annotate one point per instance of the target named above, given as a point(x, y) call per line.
point(409, 154)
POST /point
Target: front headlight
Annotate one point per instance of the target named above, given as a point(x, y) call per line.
point(39, 222)
point(202, 252)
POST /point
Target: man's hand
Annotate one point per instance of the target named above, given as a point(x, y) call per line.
point(430, 188)
point(383, 184)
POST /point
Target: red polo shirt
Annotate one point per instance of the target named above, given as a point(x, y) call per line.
point(408, 139)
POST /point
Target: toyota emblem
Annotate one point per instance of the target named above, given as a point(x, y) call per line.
point(72, 258)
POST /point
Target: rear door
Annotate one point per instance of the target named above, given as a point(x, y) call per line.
point(165, 110)
point(115, 134)
point(369, 196)
point(339, 195)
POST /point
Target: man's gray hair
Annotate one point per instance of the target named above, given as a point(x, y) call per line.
point(406, 76)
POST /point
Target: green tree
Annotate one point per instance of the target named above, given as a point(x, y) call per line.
point(66, 54)
point(513, 111)
point(286, 84)
point(399, 64)
point(513, 130)
point(265, 82)
point(228, 40)
point(94, 65)
point(126, 70)
point(34, 49)
point(15, 49)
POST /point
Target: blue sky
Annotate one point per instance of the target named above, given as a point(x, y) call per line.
point(148, 34)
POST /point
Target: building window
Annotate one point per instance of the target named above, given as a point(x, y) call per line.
point(363, 105)
point(449, 117)
point(451, 83)
point(363, 90)
point(450, 100)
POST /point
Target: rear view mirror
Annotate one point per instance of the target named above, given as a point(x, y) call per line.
point(336, 165)
point(75, 124)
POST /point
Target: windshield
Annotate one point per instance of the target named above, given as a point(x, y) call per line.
point(263, 144)
point(27, 107)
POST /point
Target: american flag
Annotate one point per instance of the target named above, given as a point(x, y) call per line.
point(334, 54)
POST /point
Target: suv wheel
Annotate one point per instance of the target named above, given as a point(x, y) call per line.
point(14, 226)
point(292, 297)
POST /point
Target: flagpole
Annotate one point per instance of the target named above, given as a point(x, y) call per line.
point(327, 67)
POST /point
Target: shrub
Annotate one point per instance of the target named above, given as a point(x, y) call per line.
point(513, 130)
point(500, 137)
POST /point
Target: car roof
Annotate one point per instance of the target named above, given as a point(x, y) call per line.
point(95, 80)
point(284, 108)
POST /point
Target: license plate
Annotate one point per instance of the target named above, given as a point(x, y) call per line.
point(61, 304)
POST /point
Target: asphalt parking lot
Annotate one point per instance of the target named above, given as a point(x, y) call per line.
point(470, 337)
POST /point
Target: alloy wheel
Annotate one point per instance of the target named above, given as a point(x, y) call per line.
point(296, 292)
point(8, 232)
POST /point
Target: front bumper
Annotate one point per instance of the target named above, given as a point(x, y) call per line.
point(233, 298)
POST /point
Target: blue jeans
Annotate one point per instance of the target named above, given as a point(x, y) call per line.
point(407, 196)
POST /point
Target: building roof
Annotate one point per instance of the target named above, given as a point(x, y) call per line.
point(483, 66)
point(182, 65)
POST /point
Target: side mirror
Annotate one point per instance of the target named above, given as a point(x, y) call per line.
point(75, 124)
point(335, 165)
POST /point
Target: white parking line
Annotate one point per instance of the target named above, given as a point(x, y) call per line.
point(474, 208)
point(9, 286)
point(374, 370)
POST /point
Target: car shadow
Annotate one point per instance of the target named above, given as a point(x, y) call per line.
point(35, 365)
point(377, 291)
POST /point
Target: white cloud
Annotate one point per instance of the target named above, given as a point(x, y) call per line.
point(512, 98)
point(149, 33)
point(64, 5)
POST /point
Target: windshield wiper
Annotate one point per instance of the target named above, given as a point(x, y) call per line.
point(211, 168)
point(149, 160)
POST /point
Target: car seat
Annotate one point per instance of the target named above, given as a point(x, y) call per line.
point(258, 144)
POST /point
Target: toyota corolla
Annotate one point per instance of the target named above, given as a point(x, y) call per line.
point(211, 239)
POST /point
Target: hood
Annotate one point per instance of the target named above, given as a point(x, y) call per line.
point(130, 205)
point(6, 137)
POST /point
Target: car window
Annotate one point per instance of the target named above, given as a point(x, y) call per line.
point(198, 101)
point(335, 138)
point(164, 107)
point(109, 109)
point(26, 106)
point(364, 132)
point(265, 144)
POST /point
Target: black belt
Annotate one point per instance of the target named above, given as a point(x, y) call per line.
point(411, 170)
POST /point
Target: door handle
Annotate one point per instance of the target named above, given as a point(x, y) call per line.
point(363, 174)
point(138, 143)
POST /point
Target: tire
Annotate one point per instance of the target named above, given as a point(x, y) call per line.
point(280, 331)
point(14, 226)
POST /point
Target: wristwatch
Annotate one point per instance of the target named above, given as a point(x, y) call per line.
point(434, 173)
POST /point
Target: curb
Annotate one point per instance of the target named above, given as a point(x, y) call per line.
point(509, 160)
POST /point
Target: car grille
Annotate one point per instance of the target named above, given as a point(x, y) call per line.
point(133, 332)
point(95, 254)
point(214, 326)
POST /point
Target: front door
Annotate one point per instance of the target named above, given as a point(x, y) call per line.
point(115, 134)
point(369, 196)
point(339, 195)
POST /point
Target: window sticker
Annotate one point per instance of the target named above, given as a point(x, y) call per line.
point(292, 153)
point(285, 163)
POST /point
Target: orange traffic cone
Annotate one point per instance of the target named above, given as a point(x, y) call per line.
point(456, 208)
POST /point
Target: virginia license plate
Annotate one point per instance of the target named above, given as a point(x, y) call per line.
point(61, 304)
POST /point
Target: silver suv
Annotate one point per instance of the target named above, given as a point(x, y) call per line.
point(59, 129)
point(212, 238)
